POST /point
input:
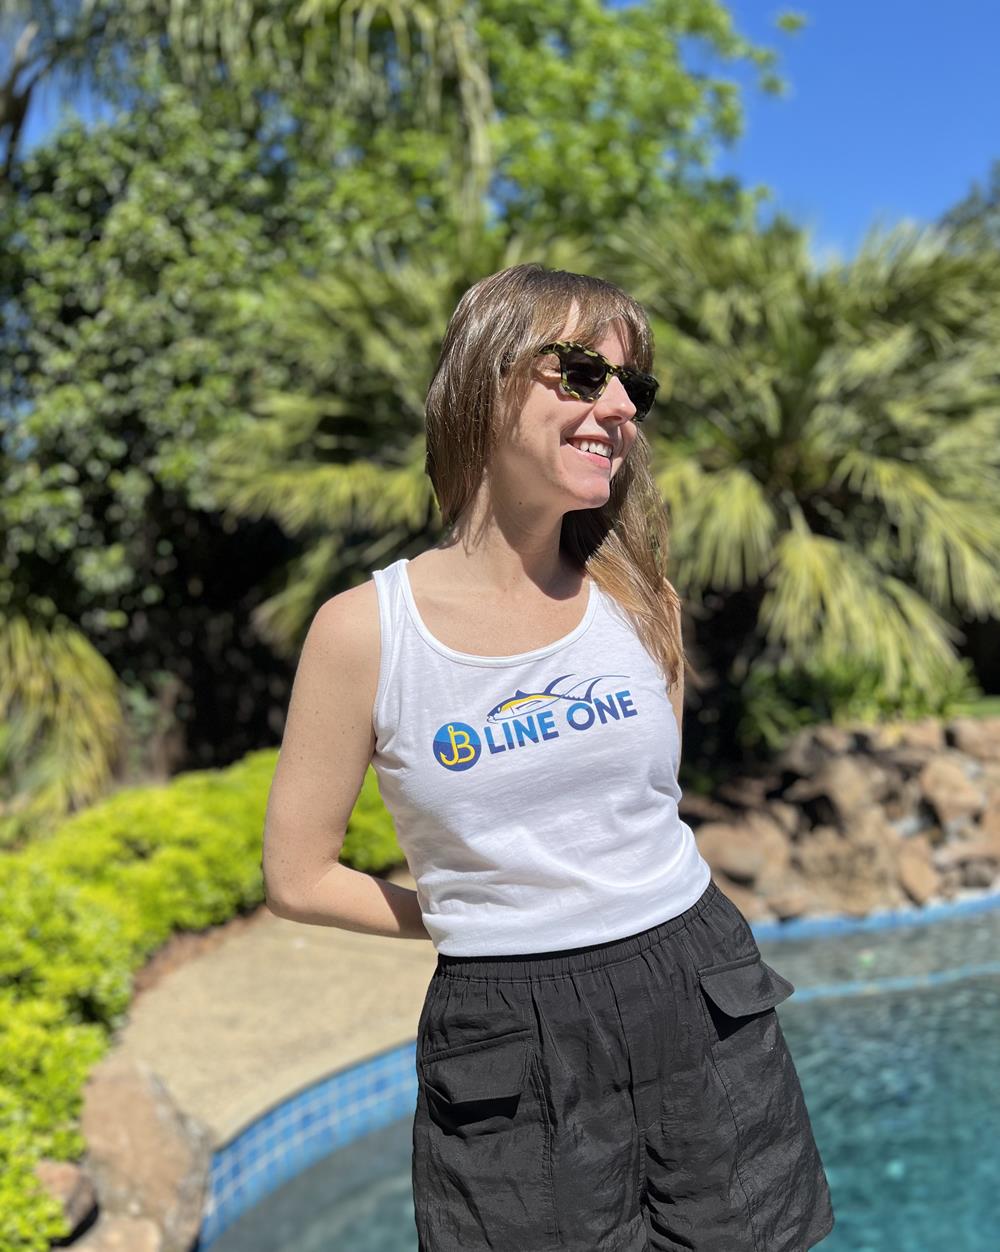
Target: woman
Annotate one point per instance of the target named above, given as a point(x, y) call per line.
point(600, 1064)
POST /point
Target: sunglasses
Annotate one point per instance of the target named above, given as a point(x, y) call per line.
point(586, 373)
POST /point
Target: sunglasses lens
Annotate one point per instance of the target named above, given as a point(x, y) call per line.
point(583, 373)
point(642, 394)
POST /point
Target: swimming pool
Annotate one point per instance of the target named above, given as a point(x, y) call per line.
point(894, 1027)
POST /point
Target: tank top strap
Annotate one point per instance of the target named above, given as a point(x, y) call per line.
point(394, 626)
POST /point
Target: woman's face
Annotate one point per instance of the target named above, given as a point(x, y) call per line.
point(541, 463)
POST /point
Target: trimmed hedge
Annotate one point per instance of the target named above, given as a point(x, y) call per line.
point(82, 909)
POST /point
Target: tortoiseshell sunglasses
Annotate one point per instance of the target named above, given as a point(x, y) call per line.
point(585, 373)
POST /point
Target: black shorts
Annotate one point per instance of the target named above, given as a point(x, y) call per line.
point(622, 1097)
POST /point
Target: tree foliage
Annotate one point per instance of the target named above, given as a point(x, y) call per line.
point(156, 273)
point(830, 450)
point(976, 217)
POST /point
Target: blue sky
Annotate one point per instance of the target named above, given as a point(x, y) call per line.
point(891, 112)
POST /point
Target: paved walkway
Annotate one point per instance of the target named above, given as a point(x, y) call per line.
point(271, 1009)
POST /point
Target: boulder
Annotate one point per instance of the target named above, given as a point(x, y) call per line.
point(836, 740)
point(117, 1233)
point(917, 871)
point(750, 903)
point(853, 871)
point(980, 843)
point(946, 786)
point(925, 735)
point(147, 1158)
point(978, 737)
point(788, 896)
point(732, 850)
point(989, 821)
point(745, 791)
point(774, 844)
point(979, 872)
point(73, 1189)
point(853, 819)
point(695, 809)
point(787, 816)
point(848, 786)
point(802, 755)
point(901, 803)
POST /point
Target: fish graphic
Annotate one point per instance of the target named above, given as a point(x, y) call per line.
point(523, 702)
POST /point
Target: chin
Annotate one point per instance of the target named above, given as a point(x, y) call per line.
point(597, 500)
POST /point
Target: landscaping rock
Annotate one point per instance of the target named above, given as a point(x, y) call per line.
point(845, 786)
point(861, 818)
point(147, 1159)
point(116, 1233)
point(696, 809)
point(788, 896)
point(917, 872)
point(750, 903)
point(978, 737)
point(784, 815)
point(978, 872)
point(954, 797)
point(732, 850)
point(835, 739)
point(854, 871)
point(72, 1187)
point(927, 735)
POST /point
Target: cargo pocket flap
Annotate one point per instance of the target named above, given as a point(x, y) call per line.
point(744, 987)
point(490, 1069)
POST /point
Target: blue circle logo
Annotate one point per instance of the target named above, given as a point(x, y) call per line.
point(457, 746)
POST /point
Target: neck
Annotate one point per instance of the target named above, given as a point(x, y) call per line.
point(509, 548)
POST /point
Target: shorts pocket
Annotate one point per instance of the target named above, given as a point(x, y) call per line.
point(482, 1163)
point(756, 1069)
point(476, 1088)
point(741, 989)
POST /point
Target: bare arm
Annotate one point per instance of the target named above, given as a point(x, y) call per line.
point(326, 748)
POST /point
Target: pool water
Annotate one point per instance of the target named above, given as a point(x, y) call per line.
point(895, 1036)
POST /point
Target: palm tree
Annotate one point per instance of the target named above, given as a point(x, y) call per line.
point(830, 451)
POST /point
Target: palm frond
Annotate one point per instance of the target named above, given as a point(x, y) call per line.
point(723, 534)
point(62, 719)
point(826, 602)
point(951, 541)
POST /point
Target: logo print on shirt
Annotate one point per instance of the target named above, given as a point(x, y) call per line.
point(522, 702)
point(457, 746)
point(528, 718)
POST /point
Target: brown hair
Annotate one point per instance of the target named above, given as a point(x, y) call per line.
point(481, 380)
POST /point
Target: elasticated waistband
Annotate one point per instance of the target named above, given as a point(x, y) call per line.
point(527, 965)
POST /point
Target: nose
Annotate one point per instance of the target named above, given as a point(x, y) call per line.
point(615, 401)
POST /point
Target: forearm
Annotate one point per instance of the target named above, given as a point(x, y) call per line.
point(352, 900)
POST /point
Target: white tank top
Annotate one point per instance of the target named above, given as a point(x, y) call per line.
point(534, 796)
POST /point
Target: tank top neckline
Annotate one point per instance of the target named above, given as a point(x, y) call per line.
point(472, 658)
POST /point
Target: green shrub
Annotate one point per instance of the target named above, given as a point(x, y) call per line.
point(81, 909)
point(370, 843)
point(780, 699)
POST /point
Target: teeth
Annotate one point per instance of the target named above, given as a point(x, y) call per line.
point(592, 445)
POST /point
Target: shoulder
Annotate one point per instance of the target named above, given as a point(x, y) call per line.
point(345, 628)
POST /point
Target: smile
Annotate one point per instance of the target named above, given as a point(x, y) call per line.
point(597, 451)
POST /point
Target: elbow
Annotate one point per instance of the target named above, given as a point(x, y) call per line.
point(278, 899)
point(281, 897)
point(273, 906)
